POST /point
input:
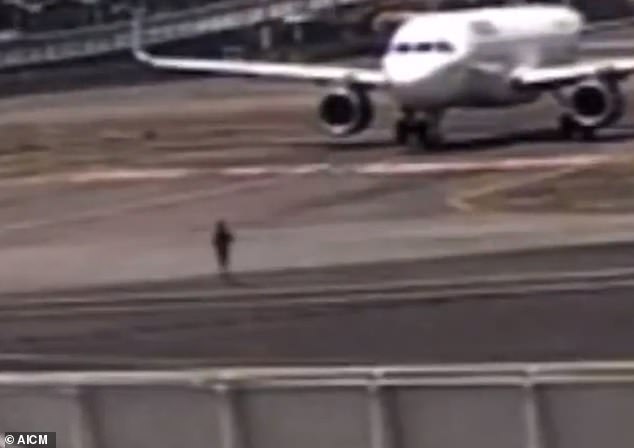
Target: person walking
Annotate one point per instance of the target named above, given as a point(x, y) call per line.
point(222, 240)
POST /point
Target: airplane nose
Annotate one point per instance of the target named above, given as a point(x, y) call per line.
point(415, 70)
point(424, 82)
point(409, 70)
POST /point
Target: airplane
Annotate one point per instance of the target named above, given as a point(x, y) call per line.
point(492, 57)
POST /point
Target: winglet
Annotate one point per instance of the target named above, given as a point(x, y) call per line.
point(137, 36)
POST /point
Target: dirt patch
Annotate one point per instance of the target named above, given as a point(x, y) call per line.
point(176, 125)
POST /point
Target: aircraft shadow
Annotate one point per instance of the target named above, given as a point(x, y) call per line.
point(532, 137)
point(520, 138)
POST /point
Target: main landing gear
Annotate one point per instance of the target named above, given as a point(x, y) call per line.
point(570, 129)
point(423, 132)
point(418, 132)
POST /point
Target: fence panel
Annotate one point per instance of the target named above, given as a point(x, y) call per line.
point(460, 417)
point(582, 405)
point(589, 416)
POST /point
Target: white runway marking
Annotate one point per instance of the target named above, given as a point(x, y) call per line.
point(130, 175)
point(92, 176)
point(259, 170)
point(369, 168)
point(395, 167)
point(491, 165)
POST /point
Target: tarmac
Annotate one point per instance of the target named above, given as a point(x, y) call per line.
point(538, 305)
point(308, 212)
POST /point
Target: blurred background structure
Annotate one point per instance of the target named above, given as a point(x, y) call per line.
point(81, 41)
point(47, 15)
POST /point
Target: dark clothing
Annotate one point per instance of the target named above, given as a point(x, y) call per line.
point(222, 240)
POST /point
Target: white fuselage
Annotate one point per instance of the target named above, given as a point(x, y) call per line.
point(464, 59)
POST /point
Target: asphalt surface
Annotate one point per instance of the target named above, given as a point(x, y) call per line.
point(101, 243)
point(556, 261)
point(110, 232)
point(519, 319)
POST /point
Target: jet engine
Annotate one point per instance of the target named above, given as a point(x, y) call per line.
point(596, 103)
point(345, 111)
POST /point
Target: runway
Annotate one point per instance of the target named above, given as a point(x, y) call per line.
point(524, 306)
point(348, 252)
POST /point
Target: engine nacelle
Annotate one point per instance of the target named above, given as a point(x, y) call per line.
point(346, 111)
point(596, 103)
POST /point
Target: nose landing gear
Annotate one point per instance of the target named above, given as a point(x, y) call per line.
point(418, 133)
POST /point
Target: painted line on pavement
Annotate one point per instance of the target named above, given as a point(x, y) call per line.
point(161, 201)
point(371, 168)
point(396, 167)
point(374, 168)
point(259, 170)
point(381, 299)
point(463, 200)
point(105, 175)
point(283, 293)
point(514, 164)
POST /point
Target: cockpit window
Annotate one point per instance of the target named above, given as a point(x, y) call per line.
point(444, 47)
point(424, 47)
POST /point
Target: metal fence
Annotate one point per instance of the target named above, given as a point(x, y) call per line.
point(582, 405)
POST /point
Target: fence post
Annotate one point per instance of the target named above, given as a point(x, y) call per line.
point(532, 416)
point(83, 429)
point(230, 428)
point(381, 428)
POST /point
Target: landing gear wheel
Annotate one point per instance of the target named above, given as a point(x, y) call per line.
point(417, 133)
point(587, 133)
point(422, 138)
point(401, 131)
point(567, 126)
point(571, 130)
point(419, 137)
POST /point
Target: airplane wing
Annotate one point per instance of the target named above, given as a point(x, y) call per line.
point(548, 77)
point(300, 72)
